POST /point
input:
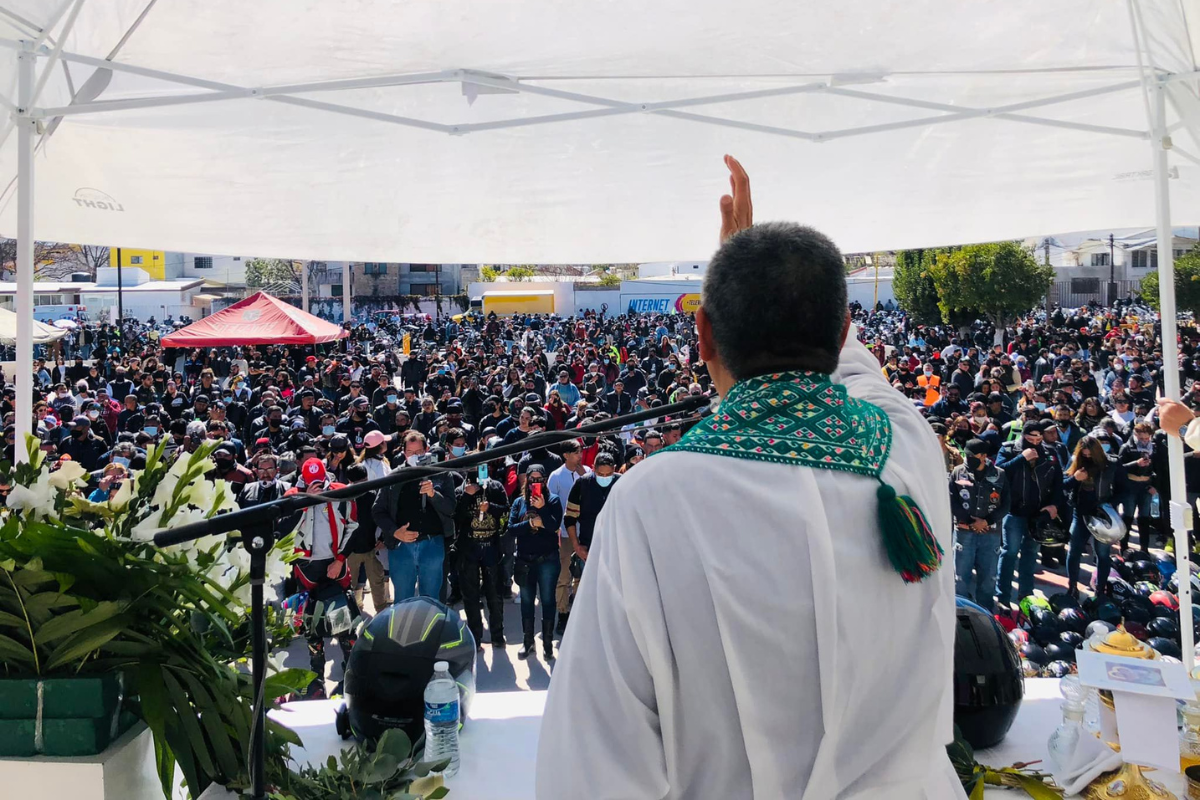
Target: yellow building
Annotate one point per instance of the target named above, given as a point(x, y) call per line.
point(152, 261)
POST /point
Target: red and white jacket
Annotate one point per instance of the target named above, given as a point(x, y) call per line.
point(325, 529)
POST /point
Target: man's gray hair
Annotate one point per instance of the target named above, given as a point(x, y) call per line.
point(775, 295)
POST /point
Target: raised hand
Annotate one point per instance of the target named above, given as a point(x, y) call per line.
point(737, 212)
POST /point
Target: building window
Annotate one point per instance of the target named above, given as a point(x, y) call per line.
point(374, 268)
point(237, 258)
point(335, 289)
point(1179, 254)
point(426, 289)
point(202, 262)
point(135, 259)
point(1100, 259)
point(1085, 285)
point(1145, 259)
point(422, 267)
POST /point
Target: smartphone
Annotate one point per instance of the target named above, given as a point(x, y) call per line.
point(483, 473)
point(536, 490)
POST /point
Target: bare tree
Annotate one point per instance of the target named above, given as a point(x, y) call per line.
point(88, 258)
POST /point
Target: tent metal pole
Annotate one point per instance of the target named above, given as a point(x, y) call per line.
point(26, 128)
point(52, 62)
point(304, 286)
point(1179, 509)
point(346, 292)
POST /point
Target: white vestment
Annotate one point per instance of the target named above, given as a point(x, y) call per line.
point(740, 633)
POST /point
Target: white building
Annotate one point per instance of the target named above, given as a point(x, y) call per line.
point(214, 270)
point(141, 297)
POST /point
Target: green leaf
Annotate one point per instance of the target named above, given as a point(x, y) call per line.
point(286, 682)
point(1037, 789)
point(396, 743)
point(438, 793)
point(381, 768)
point(41, 607)
point(74, 621)
point(8, 565)
point(152, 696)
point(12, 650)
point(210, 718)
point(65, 580)
point(28, 577)
point(8, 620)
point(284, 733)
point(178, 700)
point(85, 641)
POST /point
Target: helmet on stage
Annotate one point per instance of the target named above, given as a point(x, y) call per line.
point(1060, 651)
point(1056, 669)
point(1049, 532)
point(1034, 653)
point(1031, 602)
point(393, 660)
point(1044, 626)
point(988, 682)
point(1071, 639)
point(1019, 637)
point(1099, 626)
point(1119, 588)
point(1165, 600)
point(1105, 525)
point(1173, 585)
point(1166, 565)
point(1145, 588)
point(1122, 567)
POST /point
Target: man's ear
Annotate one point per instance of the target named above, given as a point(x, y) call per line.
point(845, 330)
point(704, 336)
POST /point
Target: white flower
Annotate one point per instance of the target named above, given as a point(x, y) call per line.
point(178, 468)
point(67, 475)
point(37, 499)
point(144, 531)
point(275, 662)
point(165, 489)
point(202, 495)
point(277, 569)
point(239, 559)
point(242, 594)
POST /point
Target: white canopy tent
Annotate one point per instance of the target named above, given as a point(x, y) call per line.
point(568, 131)
point(42, 333)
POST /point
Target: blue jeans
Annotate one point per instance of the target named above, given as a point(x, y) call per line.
point(977, 553)
point(417, 561)
point(1079, 540)
point(1136, 502)
point(1017, 541)
point(539, 580)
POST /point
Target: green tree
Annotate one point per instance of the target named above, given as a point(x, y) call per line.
point(609, 279)
point(913, 286)
point(998, 280)
point(1187, 284)
point(488, 274)
point(265, 271)
point(520, 274)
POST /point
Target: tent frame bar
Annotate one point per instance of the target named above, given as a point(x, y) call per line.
point(26, 128)
point(286, 93)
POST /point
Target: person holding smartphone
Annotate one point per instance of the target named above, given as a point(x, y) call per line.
point(412, 518)
point(534, 521)
point(479, 515)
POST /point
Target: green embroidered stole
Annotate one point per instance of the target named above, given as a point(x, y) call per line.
point(805, 419)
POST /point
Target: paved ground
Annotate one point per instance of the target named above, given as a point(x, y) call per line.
point(499, 670)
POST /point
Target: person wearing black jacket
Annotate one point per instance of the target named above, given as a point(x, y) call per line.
point(1137, 457)
point(618, 401)
point(1035, 480)
point(534, 521)
point(1092, 479)
point(413, 518)
point(479, 523)
point(979, 499)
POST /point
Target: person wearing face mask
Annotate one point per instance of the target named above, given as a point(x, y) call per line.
point(1069, 433)
point(587, 498)
point(228, 470)
point(83, 446)
point(480, 508)
point(413, 517)
point(384, 414)
point(363, 548)
point(931, 383)
point(1137, 457)
point(114, 475)
point(357, 423)
point(1092, 479)
point(950, 404)
point(306, 410)
point(979, 499)
point(1123, 415)
point(1035, 478)
point(534, 521)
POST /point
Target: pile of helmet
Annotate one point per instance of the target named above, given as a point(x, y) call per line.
point(1142, 600)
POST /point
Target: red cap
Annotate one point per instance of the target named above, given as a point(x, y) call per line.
point(313, 471)
point(311, 358)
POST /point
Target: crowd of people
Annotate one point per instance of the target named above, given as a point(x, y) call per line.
point(303, 419)
point(1039, 426)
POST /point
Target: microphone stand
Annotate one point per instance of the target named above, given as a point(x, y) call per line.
point(256, 525)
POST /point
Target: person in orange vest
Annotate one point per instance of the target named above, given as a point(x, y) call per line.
point(930, 383)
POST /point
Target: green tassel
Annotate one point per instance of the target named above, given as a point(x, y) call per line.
point(910, 544)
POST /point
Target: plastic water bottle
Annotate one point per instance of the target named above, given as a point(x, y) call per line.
point(441, 718)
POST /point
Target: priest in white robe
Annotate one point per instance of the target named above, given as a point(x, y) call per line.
point(745, 627)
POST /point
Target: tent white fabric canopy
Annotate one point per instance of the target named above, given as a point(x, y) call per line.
point(42, 333)
point(577, 130)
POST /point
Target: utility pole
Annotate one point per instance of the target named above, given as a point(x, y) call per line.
point(1046, 261)
point(1112, 270)
point(120, 303)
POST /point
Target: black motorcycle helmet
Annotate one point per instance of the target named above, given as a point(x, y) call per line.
point(1144, 569)
point(1049, 532)
point(1071, 639)
point(1056, 669)
point(1034, 654)
point(1060, 651)
point(1145, 588)
point(1099, 626)
point(1044, 627)
point(1165, 647)
point(1163, 627)
point(988, 684)
point(393, 660)
point(1072, 619)
point(1121, 567)
point(1061, 601)
point(1107, 611)
point(1120, 589)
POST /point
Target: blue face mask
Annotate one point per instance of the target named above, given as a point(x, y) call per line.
point(327, 430)
point(391, 398)
point(1107, 447)
point(604, 480)
point(150, 430)
point(124, 462)
point(458, 450)
point(1040, 406)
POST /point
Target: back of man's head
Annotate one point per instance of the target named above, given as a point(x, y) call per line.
point(775, 296)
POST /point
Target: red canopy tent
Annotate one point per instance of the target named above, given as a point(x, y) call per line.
point(259, 319)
